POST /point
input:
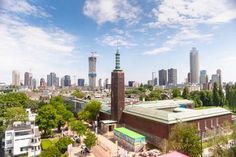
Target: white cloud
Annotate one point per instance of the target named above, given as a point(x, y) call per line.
point(184, 12)
point(24, 46)
point(22, 7)
point(157, 51)
point(186, 35)
point(113, 40)
point(111, 11)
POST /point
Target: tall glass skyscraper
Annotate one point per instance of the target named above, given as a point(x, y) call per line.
point(194, 66)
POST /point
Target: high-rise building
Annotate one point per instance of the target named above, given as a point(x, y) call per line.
point(62, 82)
point(92, 71)
point(81, 82)
point(34, 83)
point(42, 82)
point(131, 83)
point(203, 76)
point(67, 80)
point(106, 83)
point(215, 79)
point(15, 78)
point(218, 71)
point(172, 76)
point(28, 79)
point(100, 83)
point(189, 78)
point(162, 77)
point(117, 90)
point(52, 80)
point(194, 66)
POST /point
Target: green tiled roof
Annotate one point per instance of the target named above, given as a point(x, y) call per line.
point(129, 133)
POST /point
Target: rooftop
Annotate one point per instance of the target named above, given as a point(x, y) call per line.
point(130, 133)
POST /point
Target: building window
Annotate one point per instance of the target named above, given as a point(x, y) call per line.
point(212, 126)
point(9, 134)
point(217, 121)
point(9, 142)
point(24, 149)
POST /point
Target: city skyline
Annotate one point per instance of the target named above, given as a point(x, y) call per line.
point(44, 37)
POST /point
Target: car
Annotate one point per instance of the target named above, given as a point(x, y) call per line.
point(77, 140)
point(83, 146)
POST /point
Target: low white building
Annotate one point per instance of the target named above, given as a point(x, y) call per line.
point(22, 138)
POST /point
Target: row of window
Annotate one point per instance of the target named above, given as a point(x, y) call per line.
point(212, 125)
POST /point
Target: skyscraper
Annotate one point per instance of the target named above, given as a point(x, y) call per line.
point(117, 90)
point(100, 83)
point(194, 66)
point(218, 71)
point(162, 77)
point(81, 82)
point(15, 78)
point(203, 76)
point(34, 83)
point(62, 82)
point(28, 79)
point(92, 71)
point(67, 80)
point(42, 82)
point(172, 76)
point(52, 80)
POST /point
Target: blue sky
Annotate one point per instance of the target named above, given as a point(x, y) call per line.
point(58, 36)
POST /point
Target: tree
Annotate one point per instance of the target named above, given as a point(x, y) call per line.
point(185, 93)
point(176, 92)
point(14, 99)
point(47, 119)
point(15, 114)
point(154, 95)
point(90, 139)
point(91, 111)
point(221, 96)
point(62, 144)
point(195, 96)
point(78, 127)
point(63, 115)
point(184, 138)
point(51, 152)
point(78, 94)
point(215, 95)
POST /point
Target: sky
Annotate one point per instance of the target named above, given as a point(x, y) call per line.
point(59, 36)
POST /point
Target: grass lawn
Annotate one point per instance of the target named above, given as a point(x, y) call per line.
point(46, 143)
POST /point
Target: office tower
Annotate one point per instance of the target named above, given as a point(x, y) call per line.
point(155, 82)
point(194, 66)
point(28, 80)
point(172, 76)
point(52, 79)
point(34, 83)
point(106, 83)
point(92, 71)
point(15, 78)
point(215, 79)
point(57, 82)
point(100, 83)
point(218, 71)
point(203, 77)
point(131, 83)
point(162, 77)
point(81, 82)
point(117, 90)
point(67, 80)
point(153, 78)
point(189, 78)
point(62, 82)
point(42, 82)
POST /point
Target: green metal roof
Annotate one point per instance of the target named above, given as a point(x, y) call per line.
point(129, 133)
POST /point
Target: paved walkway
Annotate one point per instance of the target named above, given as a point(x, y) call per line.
point(98, 151)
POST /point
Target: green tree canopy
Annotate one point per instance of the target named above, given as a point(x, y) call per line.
point(78, 127)
point(184, 138)
point(176, 93)
point(154, 95)
point(15, 114)
point(14, 99)
point(51, 152)
point(90, 139)
point(78, 94)
point(91, 111)
point(215, 95)
point(62, 144)
point(185, 93)
point(47, 119)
